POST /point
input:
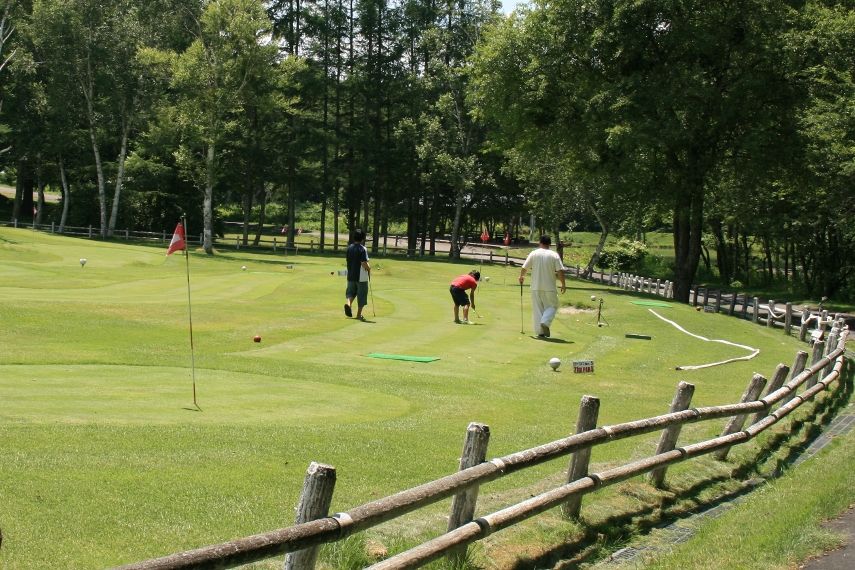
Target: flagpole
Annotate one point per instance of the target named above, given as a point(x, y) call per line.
point(189, 308)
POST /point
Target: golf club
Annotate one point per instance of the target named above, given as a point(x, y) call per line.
point(370, 290)
point(522, 328)
point(476, 312)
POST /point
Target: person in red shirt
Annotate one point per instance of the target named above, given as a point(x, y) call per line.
point(459, 286)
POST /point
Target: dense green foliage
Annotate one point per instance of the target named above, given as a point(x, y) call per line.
point(730, 124)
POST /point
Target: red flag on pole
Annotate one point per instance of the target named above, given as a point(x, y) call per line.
point(177, 242)
point(507, 239)
point(485, 236)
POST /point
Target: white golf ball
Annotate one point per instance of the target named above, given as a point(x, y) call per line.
point(554, 363)
point(82, 262)
point(593, 297)
point(486, 279)
point(243, 268)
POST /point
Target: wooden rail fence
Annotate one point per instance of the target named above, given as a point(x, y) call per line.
point(314, 527)
point(770, 313)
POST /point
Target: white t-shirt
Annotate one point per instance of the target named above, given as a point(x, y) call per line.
point(542, 264)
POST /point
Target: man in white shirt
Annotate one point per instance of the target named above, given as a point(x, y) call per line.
point(544, 264)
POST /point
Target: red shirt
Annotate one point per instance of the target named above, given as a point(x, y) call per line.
point(465, 282)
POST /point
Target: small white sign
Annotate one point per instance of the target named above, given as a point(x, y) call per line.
point(709, 309)
point(583, 366)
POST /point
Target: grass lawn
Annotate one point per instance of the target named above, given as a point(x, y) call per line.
point(105, 461)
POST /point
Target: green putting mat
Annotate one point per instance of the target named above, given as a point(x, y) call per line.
point(399, 357)
point(651, 304)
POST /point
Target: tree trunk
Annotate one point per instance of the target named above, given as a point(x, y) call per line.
point(292, 202)
point(247, 202)
point(434, 212)
point(66, 195)
point(262, 197)
point(40, 188)
point(19, 190)
point(123, 153)
point(455, 226)
point(688, 222)
point(208, 204)
point(604, 234)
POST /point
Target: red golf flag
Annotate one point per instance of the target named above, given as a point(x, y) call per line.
point(485, 236)
point(177, 242)
point(507, 239)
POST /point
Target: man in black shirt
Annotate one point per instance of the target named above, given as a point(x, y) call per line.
point(357, 275)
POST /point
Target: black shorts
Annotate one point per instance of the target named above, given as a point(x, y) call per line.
point(459, 295)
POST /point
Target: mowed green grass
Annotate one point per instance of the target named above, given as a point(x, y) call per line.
point(104, 460)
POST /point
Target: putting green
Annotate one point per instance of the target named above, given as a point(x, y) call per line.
point(163, 395)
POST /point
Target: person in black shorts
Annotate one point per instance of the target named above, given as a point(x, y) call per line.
point(459, 286)
point(358, 270)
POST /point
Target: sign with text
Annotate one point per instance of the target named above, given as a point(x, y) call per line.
point(709, 309)
point(583, 366)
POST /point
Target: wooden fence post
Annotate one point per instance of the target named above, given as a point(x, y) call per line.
point(658, 283)
point(752, 393)
point(706, 296)
point(314, 504)
point(90, 230)
point(695, 295)
point(798, 368)
point(829, 346)
point(463, 504)
point(274, 243)
point(770, 320)
point(755, 313)
point(732, 307)
point(744, 314)
point(816, 356)
point(804, 325)
point(589, 410)
point(718, 301)
point(776, 382)
point(788, 320)
point(51, 227)
point(668, 439)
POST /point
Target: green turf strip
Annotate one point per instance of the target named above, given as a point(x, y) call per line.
point(651, 304)
point(399, 357)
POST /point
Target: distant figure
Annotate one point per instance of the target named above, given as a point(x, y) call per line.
point(459, 286)
point(545, 264)
point(358, 273)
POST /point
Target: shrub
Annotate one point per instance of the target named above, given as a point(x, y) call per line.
point(625, 255)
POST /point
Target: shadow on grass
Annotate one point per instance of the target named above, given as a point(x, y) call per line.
point(553, 340)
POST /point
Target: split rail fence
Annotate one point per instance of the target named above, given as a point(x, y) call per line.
point(314, 527)
point(770, 313)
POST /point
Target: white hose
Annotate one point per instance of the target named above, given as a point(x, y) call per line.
point(756, 351)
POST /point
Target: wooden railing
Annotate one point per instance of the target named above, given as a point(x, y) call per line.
point(313, 527)
point(770, 313)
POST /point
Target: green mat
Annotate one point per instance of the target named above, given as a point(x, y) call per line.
point(399, 357)
point(651, 304)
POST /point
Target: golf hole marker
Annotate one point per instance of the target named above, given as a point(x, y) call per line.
point(583, 366)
